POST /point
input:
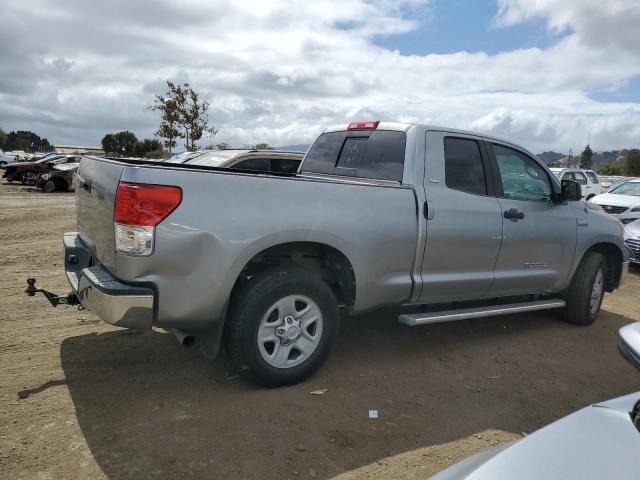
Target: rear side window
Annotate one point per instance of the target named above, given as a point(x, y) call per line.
point(255, 164)
point(375, 154)
point(593, 177)
point(463, 167)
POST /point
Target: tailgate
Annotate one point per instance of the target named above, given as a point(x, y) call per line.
point(95, 195)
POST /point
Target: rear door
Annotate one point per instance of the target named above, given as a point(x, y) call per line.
point(539, 235)
point(464, 224)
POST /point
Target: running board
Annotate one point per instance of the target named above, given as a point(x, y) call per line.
point(462, 314)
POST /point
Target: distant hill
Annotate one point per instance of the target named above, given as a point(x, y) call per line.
point(549, 157)
point(294, 148)
point(610, 156)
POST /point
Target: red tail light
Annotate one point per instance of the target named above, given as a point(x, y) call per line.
point(145, 205)
point(370, 125)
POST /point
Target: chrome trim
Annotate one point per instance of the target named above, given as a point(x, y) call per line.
point(412, 320)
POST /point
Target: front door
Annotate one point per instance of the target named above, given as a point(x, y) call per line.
point(464, 225)
point(539, 235)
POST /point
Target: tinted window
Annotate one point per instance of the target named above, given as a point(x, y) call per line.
point(369, 154)
point(256, 164)
point(522, 177)
point(463, 166)
point(593, 177)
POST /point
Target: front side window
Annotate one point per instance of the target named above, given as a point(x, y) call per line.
point(593, 177)
point(522, 177)
point(463, 167)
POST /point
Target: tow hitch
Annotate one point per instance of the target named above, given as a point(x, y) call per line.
point(54, 300)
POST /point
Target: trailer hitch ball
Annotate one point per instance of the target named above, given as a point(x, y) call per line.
point(31, 287)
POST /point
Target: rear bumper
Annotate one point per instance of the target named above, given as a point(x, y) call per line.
point(99, 291)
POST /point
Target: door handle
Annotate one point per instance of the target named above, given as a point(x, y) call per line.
point(513, 214)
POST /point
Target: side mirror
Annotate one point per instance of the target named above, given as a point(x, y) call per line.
point(571, 191)
point(629, 343)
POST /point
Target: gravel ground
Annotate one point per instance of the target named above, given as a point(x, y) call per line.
point(81, 399)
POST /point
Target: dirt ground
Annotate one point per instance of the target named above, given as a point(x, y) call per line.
point(83, 400)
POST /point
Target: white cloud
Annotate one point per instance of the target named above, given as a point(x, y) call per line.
point(280, 71)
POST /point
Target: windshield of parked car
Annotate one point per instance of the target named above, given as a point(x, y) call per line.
point(629, 188)
point(213, 159)
point(183, 157)
point(48, 159)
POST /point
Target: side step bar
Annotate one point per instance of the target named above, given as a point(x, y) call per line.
point(462, 314)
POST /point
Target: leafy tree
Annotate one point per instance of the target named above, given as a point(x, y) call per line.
point(632, 163)
point(144, 147)
point(611, 169)
point(553, 164)
point(586, 158)
point(223, 146)
point(121, 144)
point(27, 141)
point(3, 138)
point(184, 115)
point(169, 106)
point(262, 146)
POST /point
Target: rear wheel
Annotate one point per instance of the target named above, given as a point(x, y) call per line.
point(282, 326)
point(50, 186)
point(586, 292)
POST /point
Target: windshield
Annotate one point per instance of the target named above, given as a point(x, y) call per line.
point(212, 159)
point(629, 188)
point(183, 157)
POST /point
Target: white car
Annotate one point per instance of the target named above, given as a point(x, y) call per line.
point(588, 180)
point(632, 240)
point(622, 201)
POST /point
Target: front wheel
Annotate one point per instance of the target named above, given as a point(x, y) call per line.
point(586, 292)
point(282, 326)
point(50, 186)
point(28, 177)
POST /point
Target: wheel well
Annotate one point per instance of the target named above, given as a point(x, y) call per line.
point(331, 264)
point(613, 257)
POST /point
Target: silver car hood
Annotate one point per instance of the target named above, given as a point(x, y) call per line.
point(597, 442)
point(615, 199)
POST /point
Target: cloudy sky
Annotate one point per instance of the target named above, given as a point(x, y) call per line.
point(540, 72)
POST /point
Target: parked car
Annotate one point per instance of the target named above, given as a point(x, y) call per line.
point(60, 178)
point(623, 201)
point(254, 160)
point(7, 159)
point(597, 442)
point(588, 180)
point(27, 172)
point(261, 261)
point(611, 181)
point(632, 239)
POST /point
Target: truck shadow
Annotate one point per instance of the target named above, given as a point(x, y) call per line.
point(149, 408)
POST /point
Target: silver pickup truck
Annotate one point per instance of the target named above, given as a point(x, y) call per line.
point(451, 224)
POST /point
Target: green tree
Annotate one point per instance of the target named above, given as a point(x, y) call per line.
point(553, 164)
point(223, 146)
point(586, 158)
point(169, 107)
point(121, 144)
point(632, 163)
point(262, 146)
point(3, 138)
point(144, 147)
point(184, 115)
point(27, 141)
point(611, 169)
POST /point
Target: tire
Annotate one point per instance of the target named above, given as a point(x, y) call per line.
point(49, 186)
point(584, 295)
point(28, 177)
point(3, 164)
point(259, 339)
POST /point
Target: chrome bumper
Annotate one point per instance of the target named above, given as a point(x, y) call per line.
point(100, 292)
